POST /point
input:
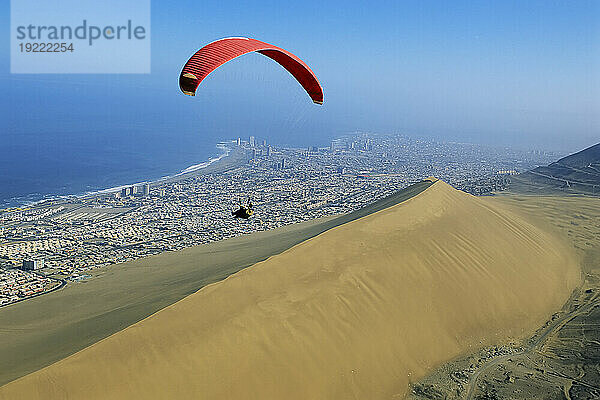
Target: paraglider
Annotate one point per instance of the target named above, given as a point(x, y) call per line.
point(244, 212)
point(217, 53)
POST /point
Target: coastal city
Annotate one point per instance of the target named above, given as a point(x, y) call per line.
point(46, 246)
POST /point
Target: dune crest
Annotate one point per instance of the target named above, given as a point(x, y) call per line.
point(359, 311)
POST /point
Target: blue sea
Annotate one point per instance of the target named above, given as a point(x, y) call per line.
point(67, 134)
point(35, 167)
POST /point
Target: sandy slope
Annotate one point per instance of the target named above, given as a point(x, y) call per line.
point(357, 312)
point(40, 331)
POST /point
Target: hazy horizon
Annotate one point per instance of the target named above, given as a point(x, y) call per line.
point(515, 74)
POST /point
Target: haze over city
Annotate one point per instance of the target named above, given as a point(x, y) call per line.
point(504, 73)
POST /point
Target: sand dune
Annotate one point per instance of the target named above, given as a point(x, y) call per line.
point(40, 331)
point(359, 311)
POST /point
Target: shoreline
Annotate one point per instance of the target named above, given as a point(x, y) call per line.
point(230, 157)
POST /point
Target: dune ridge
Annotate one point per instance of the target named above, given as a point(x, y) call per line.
point(359, 311)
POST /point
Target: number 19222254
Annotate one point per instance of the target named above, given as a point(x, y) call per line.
point(46, 47)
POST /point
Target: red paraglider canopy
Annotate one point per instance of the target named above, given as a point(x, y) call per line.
point(217, 53)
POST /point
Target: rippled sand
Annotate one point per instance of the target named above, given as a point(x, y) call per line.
point(359, 311)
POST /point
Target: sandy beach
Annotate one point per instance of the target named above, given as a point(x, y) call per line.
point(359, 311)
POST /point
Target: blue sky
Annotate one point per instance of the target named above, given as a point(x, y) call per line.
point(499, 72)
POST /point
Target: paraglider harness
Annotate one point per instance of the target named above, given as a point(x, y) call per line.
point(244, 212)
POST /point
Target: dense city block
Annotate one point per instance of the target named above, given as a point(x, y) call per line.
point(50, 243)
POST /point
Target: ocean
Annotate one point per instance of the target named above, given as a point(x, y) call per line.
point(36, 167)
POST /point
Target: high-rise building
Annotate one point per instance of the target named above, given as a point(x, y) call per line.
point(264, 143)
point(252, 143)
point(239, 141)
point(145, 189)
point(32, 265)
point(253, 154)
point(124, 192)
point(268, 151)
